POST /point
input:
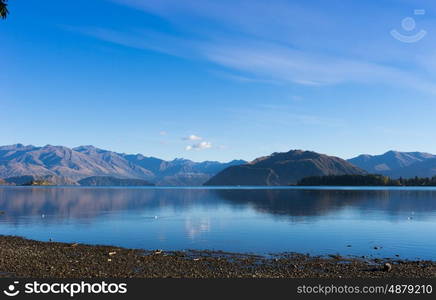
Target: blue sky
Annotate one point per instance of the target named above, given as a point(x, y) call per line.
point(219, 80)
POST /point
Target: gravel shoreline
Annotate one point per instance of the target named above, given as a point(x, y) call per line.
point(21, 257)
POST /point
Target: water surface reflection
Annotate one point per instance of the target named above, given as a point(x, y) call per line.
point(247, 220)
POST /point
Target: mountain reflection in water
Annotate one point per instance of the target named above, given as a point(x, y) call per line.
point(90, 202)
point(323, 202)
point(318, 221)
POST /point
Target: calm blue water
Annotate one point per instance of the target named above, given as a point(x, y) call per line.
point(349, 221)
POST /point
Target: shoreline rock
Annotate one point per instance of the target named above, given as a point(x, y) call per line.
point(23, 258)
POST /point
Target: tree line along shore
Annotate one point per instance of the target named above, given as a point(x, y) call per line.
point(365, 180)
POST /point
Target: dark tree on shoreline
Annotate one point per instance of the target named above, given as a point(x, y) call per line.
point(365, 180)
point(4, 9)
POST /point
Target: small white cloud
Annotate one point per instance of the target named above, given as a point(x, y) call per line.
point(192, 137)
point(163, 133)
point(199, 146)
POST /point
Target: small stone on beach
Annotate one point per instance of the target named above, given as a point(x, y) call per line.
point(387, 267)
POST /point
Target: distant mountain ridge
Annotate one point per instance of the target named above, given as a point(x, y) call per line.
point(86, 161)
point(397, 164)
point(66, 166)
point(425, 168)
point(285, 168)
point(112, 181)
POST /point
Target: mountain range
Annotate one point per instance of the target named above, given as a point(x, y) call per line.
point(89, 165)
point(397, 164)
point(69, 165)
point(112, 181)
point(284, 169)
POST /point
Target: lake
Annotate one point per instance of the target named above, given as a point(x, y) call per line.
point(376, 222)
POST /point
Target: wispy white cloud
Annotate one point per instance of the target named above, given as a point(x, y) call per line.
point(270, 115)
point(200, 146)
point(141, 39)
point(269, 62)
point(192, 137)
point(262, 41)
point(278, 62)
point(296, 98)
point(244, 78)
